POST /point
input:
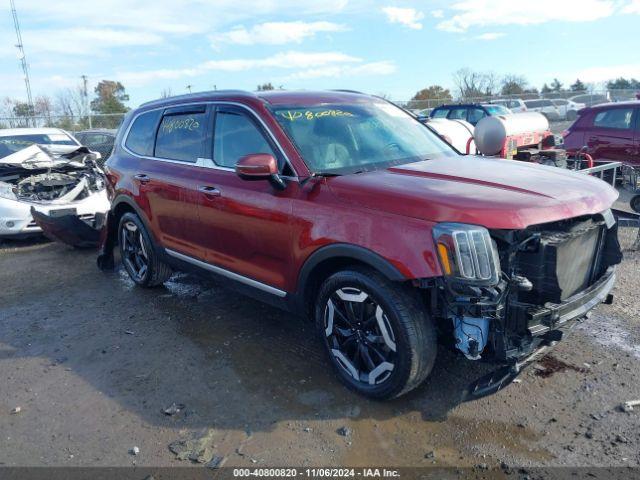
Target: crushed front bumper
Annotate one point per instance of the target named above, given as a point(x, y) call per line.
point(547, 327)
point(16, 219)
point(553, 316)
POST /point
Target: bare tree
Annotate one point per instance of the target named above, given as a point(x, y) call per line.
point(43, 107)
point(70, 102)
point(513, 84)
point(166, 93)
point(475, 85)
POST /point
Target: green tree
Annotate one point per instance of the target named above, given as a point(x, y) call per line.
point(578, 86)
point(265, 87)
point(623, 84)
point(110, 98)
point(435, 93)
point(545, 89)
point(556, 85)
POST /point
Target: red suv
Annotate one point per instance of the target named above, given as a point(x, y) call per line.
point(343, 208)
point(610, 131)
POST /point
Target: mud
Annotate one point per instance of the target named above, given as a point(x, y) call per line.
point(93, 362)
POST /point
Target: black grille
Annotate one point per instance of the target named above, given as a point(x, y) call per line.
point(563, 261)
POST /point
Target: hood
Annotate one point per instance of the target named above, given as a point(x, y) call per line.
point(495, 193)
point(48, 156)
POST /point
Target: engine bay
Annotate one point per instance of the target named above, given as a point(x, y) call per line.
point(38, 174)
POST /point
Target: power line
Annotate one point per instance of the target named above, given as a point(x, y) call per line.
point(23, 59)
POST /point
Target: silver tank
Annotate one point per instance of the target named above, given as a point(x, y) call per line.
point(491, 132)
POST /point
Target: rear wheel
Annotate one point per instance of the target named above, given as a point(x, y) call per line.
point(378, 337)
point(138, 256)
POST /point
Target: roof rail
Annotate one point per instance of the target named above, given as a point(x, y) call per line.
point(188, 96)
point(344, 90)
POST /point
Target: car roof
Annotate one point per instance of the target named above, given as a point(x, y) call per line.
point(5, 132)
point(111, 131)
point(460, 105)
point(628, 103)
point(272, 97)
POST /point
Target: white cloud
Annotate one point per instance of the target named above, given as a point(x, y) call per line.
point(276, 33)
point(490, 36)
point(334, 71)
point(86, 41)
point(437, 14)
point(482, 13)
point(310, 64)
point(632, 7)
point(409, 17)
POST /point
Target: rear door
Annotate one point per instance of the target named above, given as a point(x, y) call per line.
point(167, 150)
point(612, 134)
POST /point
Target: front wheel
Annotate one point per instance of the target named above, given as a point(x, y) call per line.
point(377, 334)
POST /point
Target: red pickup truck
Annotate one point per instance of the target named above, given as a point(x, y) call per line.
point(343, 208)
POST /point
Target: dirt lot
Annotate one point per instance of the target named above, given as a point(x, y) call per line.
point(92, 361)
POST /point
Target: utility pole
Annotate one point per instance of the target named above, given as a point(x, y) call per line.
point(23, 60)
point(85, 96)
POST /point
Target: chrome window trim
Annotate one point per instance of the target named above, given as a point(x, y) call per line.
point(204, 162)
point(227, 273)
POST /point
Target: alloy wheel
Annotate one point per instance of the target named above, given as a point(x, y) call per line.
point(134, 251)
point(360, 336)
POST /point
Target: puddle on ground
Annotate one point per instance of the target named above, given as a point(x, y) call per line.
point(608, 331)
point(549, 365)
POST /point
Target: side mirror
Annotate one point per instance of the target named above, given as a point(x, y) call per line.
point(259, 166)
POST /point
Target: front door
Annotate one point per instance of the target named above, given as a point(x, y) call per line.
point(244, 224)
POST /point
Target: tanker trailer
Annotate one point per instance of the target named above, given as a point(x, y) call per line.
point(457, 133)
point(520, 136)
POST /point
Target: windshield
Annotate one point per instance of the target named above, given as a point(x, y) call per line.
point(497, 110)
point(14, 143)
point(358, 137)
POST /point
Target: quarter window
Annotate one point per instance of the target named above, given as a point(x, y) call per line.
point(236, 136)
point(440, 113)
point(142, 132)
point(180, 136)
point(619, 118)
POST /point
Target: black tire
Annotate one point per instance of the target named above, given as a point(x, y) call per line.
point(634, 203)
point(405, 321)
point(140, 261)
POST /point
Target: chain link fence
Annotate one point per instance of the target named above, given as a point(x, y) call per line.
point(423, 106)
point(70, 123)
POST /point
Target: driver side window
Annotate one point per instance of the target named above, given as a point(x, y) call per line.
point(235, 136)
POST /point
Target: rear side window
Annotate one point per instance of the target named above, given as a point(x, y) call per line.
point(142, 133)
point(458, 114)
point(236, 136)
point(534, 103)
point(440, 113)
point(181, 135)
point(619, 118)
point(475, 115)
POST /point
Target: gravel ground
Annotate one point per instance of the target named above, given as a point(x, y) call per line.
point(93, 362)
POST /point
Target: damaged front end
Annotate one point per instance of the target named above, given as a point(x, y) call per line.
point(57, 190)
point(507, 295)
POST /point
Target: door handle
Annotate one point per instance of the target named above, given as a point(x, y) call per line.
point(209, 191)
point(142, 178)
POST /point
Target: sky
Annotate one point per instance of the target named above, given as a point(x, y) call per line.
point(382, 47)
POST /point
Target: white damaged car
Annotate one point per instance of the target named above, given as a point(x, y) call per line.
point(46, 172)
